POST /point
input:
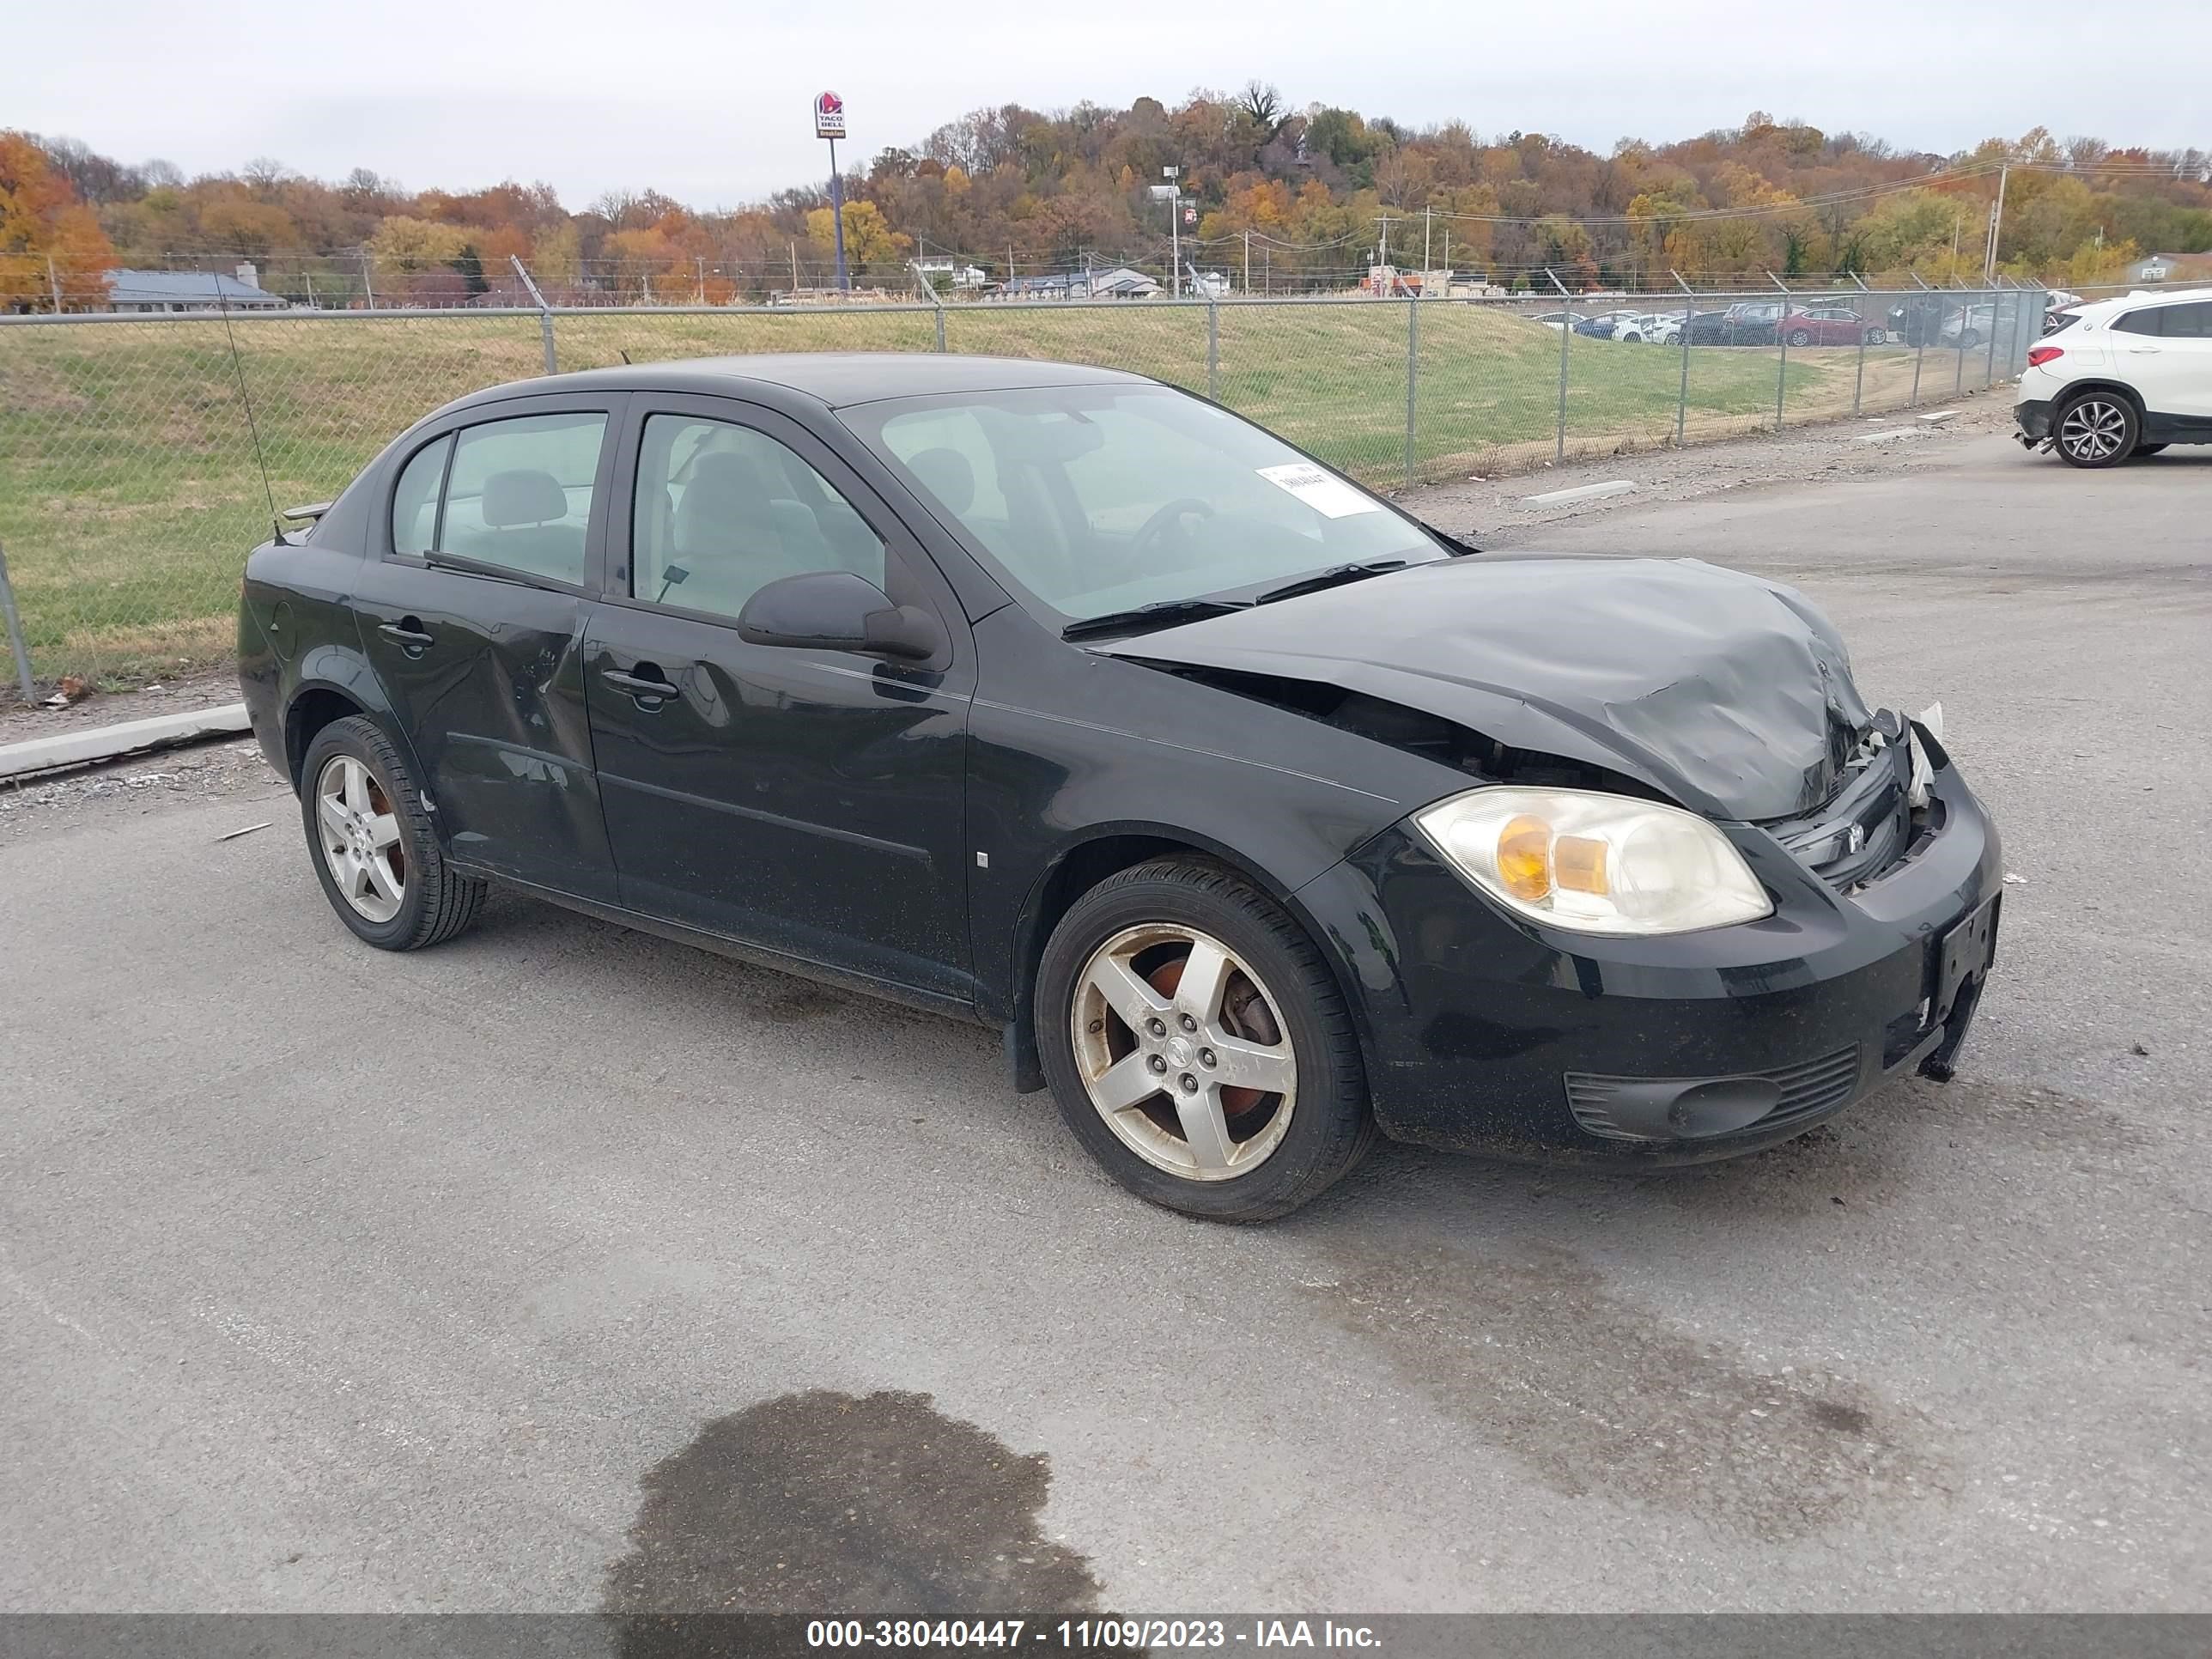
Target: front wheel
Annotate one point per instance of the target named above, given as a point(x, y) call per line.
point(1799, 336)
point(1969, 340)
point(1198, 1045)
point(1877, 336)
point(373, 849)
point(2096, 429)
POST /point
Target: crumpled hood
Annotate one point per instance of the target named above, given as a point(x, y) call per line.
point(1728, 693)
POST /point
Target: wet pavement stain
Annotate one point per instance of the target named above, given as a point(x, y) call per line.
point(1597, 1395)
point(822, 1501)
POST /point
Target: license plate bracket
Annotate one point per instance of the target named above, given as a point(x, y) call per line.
point(1964, 954)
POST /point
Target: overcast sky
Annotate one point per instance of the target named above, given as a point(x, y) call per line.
point(709, 102)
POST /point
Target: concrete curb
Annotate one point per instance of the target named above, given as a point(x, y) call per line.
point(1589, 492)
point(105, 743)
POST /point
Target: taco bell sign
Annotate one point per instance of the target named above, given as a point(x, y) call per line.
point(829, 115)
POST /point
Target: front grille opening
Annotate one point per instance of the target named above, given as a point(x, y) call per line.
point(1868, 825)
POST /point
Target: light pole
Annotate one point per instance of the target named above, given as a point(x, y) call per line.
point(1172, 194)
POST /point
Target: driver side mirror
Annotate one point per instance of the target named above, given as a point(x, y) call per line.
point(837, 611)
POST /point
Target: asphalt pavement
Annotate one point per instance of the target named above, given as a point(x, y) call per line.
point(560, 1267)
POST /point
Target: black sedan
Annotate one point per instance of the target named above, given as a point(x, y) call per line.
point(1257, 816)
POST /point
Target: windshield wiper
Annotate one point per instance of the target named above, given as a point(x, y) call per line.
point(1162, 614)
point(1334, 577)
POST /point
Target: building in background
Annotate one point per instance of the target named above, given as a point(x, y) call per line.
point(2172, 268)
point(189, 290)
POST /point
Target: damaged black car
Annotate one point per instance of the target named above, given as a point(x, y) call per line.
point(1260, 817)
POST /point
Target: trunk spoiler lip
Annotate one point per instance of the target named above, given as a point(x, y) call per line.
point(307, 514)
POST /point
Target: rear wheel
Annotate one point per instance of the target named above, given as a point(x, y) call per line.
point(1799, 336)
point(2096, 429)
point(1877, 336)
point(373, 849)
point(1198, 1046)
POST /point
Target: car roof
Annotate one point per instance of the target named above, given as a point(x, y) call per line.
point(2138, 299)
point(834, 378)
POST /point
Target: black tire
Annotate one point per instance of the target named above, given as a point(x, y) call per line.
point(435, 903)
point(1330, 1129)
point(2095, 429)
point(1875, 336)
point(2148, 449)
point(1799, 336)
point(1969, 340)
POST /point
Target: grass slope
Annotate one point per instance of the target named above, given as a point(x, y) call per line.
point(128, 493)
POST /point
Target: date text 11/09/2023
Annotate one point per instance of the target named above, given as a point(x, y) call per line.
point(1088, 1635)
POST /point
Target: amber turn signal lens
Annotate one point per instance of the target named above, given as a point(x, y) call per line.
point(1579, 864)
point(1524, 858)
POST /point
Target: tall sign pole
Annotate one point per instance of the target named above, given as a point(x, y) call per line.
point(830, 124)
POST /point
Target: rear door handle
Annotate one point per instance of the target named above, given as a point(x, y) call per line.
point(638, 686)
point(408, 633)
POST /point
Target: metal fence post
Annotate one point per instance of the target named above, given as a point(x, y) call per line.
point(1920, 350)
point(1567, 333)
point(1682, 398)
point(1990, 374)
point(1959, 369)
point(940, 328)
point(16, 645)
point(1213, 348)
point(1782, 339)
point(1858, 385)
point(544, 312)
point(1413, 376)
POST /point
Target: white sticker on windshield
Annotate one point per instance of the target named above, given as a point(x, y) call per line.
point(1332, 498)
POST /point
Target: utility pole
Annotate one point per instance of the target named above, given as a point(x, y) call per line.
point(1996, 226)
point(1428, 225)
point(1174, 176)
point(54, 283)
point(1248, 262)
point(795, 268)
point(1386, 221)
point(367, 285)
point(699, 266)
point(1447, 262)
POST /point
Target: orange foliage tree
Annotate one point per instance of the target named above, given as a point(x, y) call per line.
point(49, 240)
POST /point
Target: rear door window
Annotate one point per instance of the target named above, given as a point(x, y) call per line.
point(2190, 322)
point(518, 495)
point(415, 499)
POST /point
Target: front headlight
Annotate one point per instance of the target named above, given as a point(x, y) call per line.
point(1597, 863)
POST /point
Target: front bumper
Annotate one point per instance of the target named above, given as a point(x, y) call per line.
point(2034, 416)
point(1487, 1034)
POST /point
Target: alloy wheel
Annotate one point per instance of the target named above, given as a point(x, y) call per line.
point(2093, 430)
point(1183, 1051)
point(359, 836)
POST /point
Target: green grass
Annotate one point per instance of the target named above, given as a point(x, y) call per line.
point(128, 493)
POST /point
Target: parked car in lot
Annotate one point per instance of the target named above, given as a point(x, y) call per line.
point(1601, 327)
point(1747, 322)
point(1829, 325)
point(1649, 328)
point(1258, 817)
point(2119, 379)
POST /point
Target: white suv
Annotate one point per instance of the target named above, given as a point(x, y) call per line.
point(2121, 378)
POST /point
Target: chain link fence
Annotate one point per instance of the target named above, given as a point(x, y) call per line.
point(130, 490)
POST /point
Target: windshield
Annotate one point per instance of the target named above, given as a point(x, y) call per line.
point(1098, 499)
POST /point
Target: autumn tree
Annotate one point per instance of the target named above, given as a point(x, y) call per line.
point(52, 250)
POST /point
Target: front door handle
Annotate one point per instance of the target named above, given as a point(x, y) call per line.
point(409, 634)
point(644, 689)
